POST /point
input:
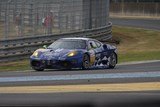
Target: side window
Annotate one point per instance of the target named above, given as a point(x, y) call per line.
point(98, 44)
point(92, 45)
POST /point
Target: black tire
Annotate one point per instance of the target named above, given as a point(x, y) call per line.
point(112, 61)
point(86, 62)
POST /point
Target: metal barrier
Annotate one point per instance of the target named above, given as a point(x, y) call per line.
point(21, 48)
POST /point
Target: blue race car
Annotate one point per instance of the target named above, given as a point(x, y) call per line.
point(67, 53)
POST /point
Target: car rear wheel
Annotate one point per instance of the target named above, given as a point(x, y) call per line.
point(86, 62)
point(112, 60)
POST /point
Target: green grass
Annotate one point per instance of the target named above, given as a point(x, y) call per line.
point(134, 45)
point(137, 44)
point(141, 56)
point(15, 66)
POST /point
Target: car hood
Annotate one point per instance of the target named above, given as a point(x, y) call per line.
point(54, 53)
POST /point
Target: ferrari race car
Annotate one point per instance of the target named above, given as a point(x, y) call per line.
point(67, 53)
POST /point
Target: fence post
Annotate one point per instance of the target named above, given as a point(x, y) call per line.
point(6, 21)
point(156, 9)
point(60, 16)
point(122, 7)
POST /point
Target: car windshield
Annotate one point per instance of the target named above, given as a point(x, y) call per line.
point(68, 44)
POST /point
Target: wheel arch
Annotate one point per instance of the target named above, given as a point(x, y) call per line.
point(87, 54)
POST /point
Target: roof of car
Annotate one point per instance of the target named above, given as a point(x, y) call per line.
point(78, 38)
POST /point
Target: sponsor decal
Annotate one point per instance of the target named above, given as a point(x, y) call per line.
point(92, 57)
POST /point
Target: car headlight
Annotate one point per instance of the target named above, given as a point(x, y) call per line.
point(72, 53)
point(35, 54)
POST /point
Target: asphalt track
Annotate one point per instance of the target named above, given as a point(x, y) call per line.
point(153, 24)
point(143, 72)
point(126, 85)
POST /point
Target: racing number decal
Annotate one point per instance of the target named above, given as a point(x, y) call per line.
point(92, 57)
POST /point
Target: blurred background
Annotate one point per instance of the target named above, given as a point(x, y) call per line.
point(135, 8)
point(19, 18)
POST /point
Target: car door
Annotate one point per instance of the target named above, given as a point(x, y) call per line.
point(99, 53)
point(96, 49)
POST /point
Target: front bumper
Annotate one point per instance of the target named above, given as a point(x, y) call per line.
point(56, 64)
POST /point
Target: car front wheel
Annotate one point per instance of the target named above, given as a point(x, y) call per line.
point(86, 62)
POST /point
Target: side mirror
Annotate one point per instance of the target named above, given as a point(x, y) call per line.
point(105, 47)
point(45, 46)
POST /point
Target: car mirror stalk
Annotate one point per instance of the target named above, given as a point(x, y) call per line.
point(45, 46)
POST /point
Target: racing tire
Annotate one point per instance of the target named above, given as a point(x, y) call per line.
point(112, 61)
point(86, 62)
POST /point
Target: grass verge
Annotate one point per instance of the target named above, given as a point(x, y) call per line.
point(134, 45)
point(15, 66)
point(137, 44)
point(141, 56)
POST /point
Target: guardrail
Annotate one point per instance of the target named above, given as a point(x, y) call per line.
point(21, 48)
